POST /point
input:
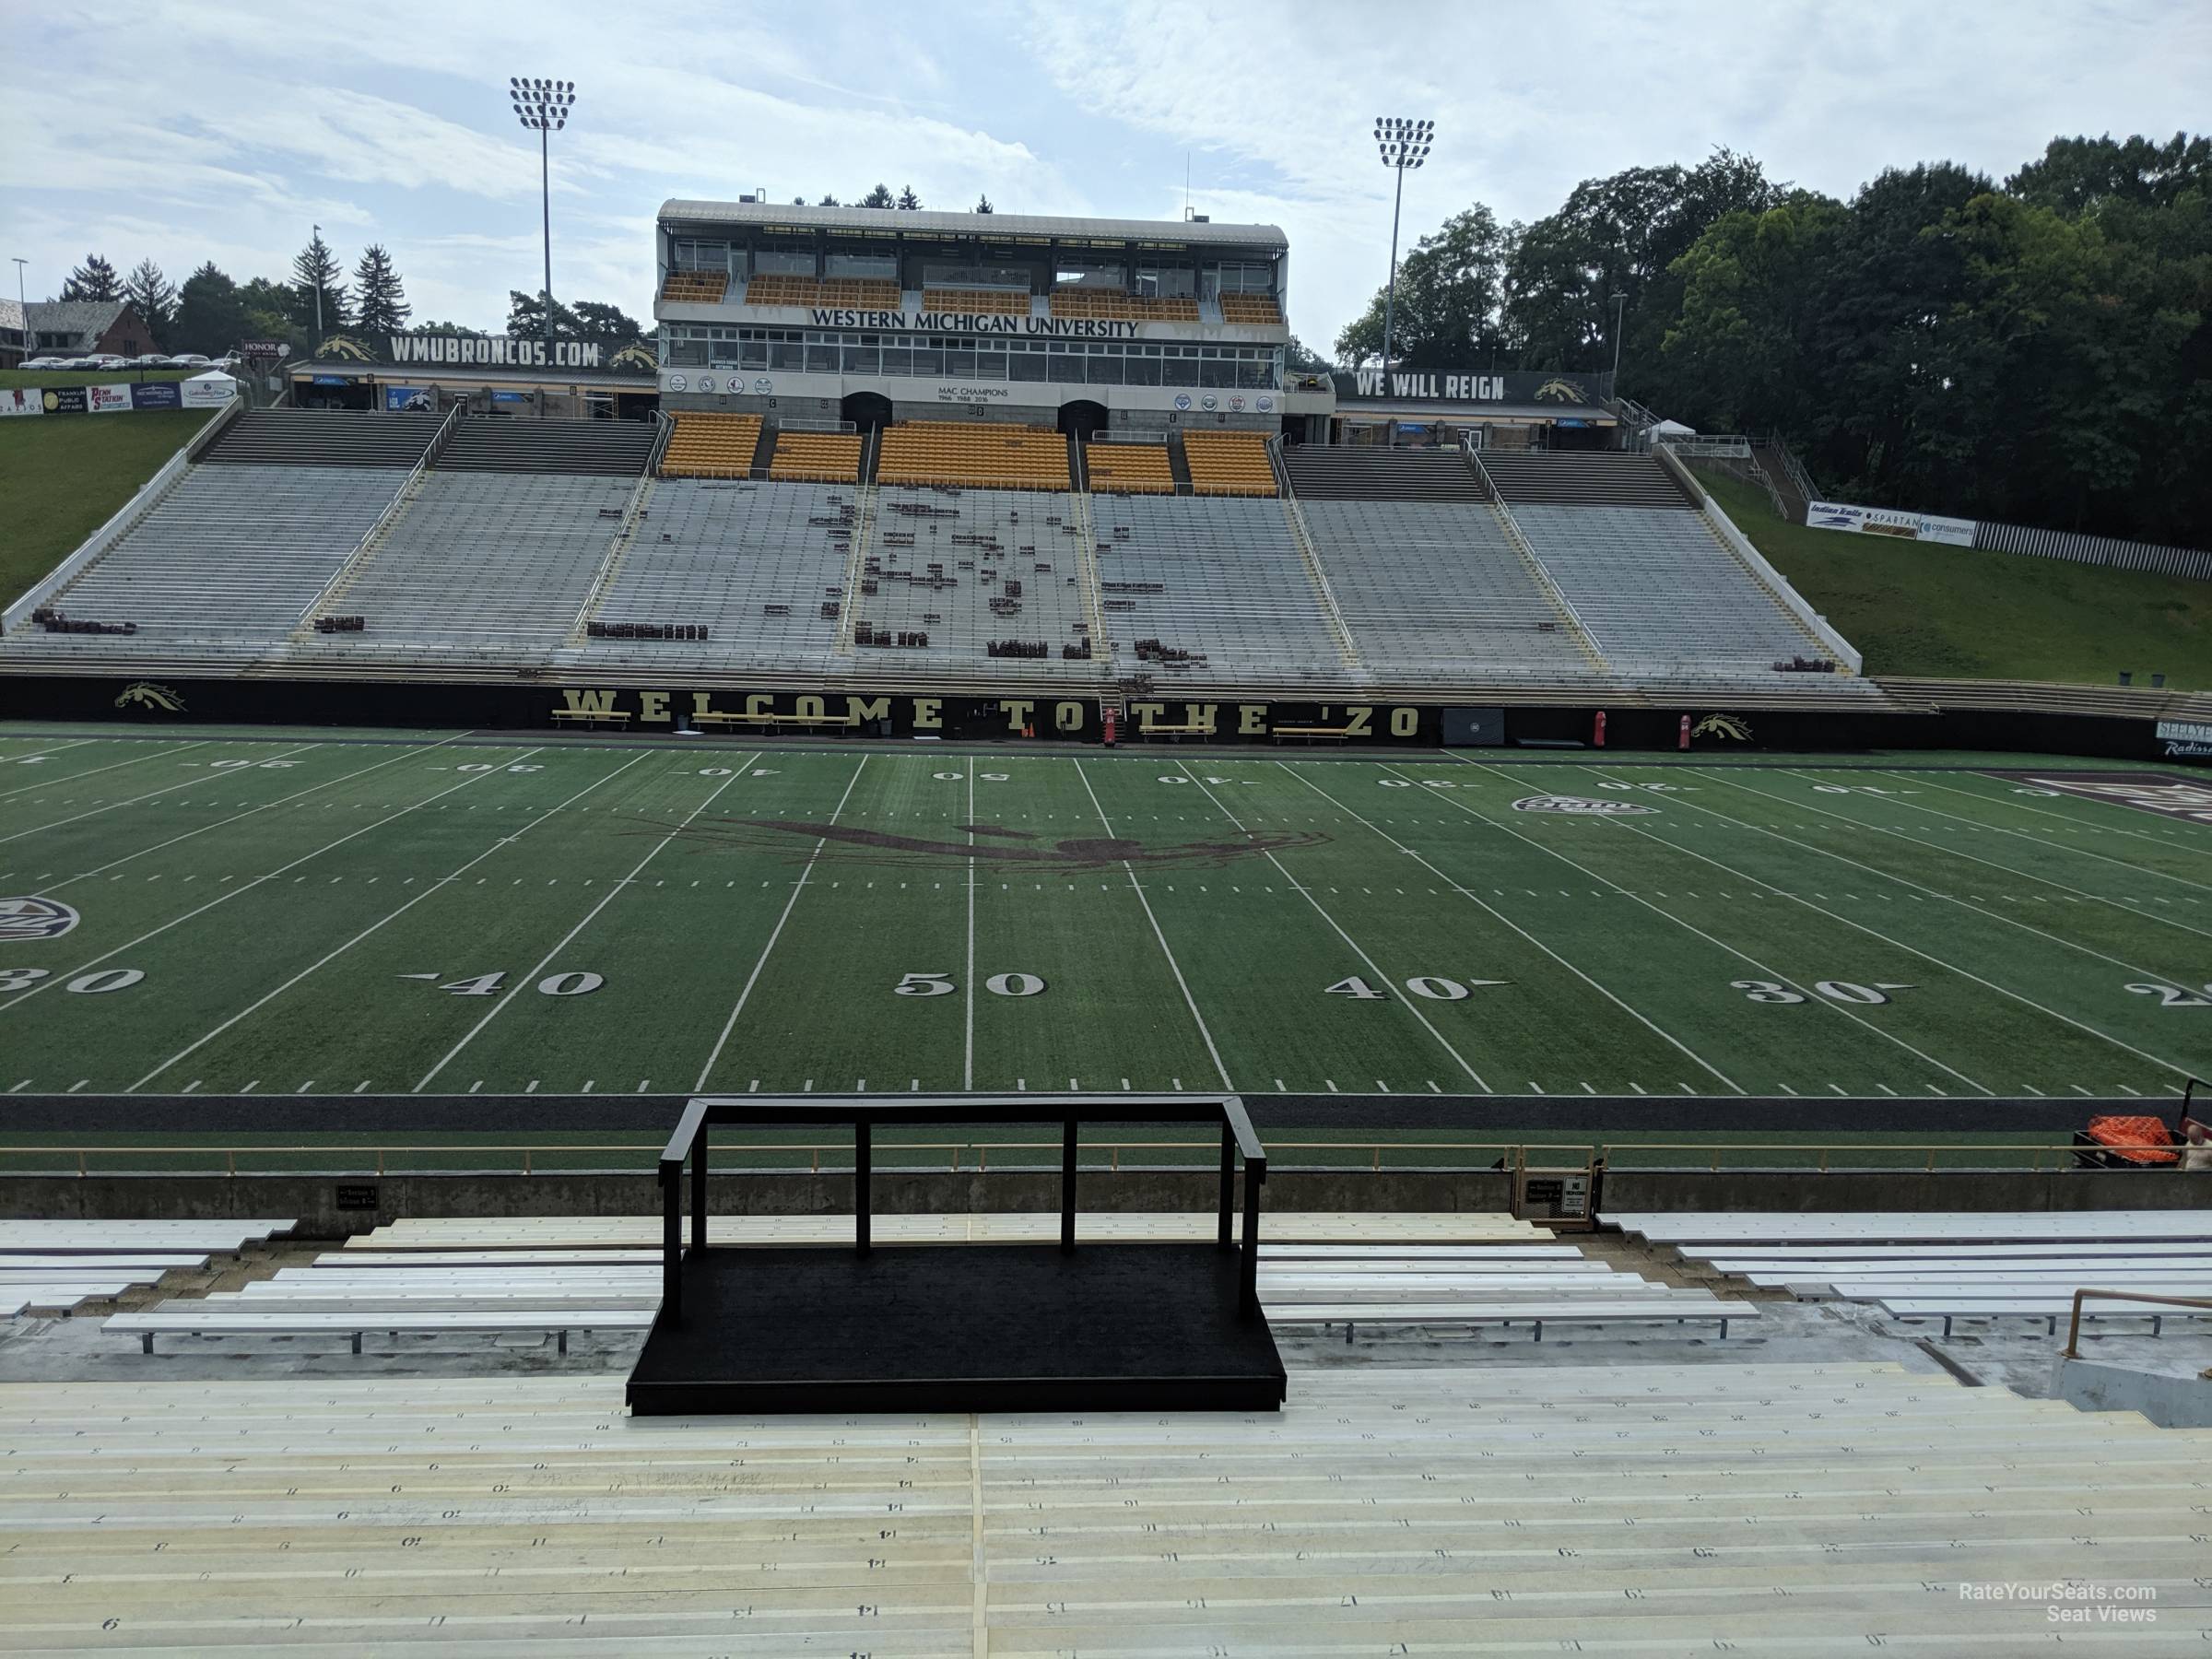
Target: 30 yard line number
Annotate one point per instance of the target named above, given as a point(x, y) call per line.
point(85, 984)
point(1841, 990)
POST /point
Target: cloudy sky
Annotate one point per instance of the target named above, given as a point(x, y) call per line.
point(190, 130)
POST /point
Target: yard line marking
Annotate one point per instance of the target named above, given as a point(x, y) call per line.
point(613, 892)
point(133, 801)
point(968, 978)
point(2030, 875)
point(2156, 841)
point(1175, 968)
point(1830, 1003)
point(40, 753)
point(134, 760)
point(374, 926)
point(235, 818)
point(23, 997)
point(1939, 961)
point(1665, 1036)
point(753, 978)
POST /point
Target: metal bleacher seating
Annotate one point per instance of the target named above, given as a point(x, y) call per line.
point(1974, 1264)
point(1217, 579)
point(1584, 478)
point(322, 438)
point(1644, 1508)
point(1434, 586)
point(1129, 468)
point(480, 561)
point(816, 457)
point(604, 448)
point(754, 563)
point(709, 446)
point(57, 1266)
point(1229, 463)
point(973, 452)
point(1368, 473)
point(1008, 567)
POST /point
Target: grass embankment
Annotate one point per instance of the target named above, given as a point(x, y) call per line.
point(1918, 608)
point(62, 476)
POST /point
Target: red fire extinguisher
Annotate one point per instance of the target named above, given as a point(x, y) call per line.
point(1109, 713)
point(1598, 732)
point(1682, 742)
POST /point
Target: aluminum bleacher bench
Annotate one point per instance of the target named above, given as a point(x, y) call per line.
point(197, 1319)
point(1675, 1310)
point(2048, 1309)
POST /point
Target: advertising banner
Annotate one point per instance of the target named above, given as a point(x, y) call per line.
point(208, 393)
point(510, 398)
point(21, 400)
point(1890, 522)
point(63, 400)
point(408, 400)
point(109, 400)
point(156, 394)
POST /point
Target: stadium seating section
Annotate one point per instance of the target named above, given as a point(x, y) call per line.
point(1249, 310)
point(1229, 463)
point(1208, 585)
point(707, 445)
point(1129, 468)
point(1114, 306)
point(613, 447)
point(695, 287)
point(866, 293)
point(1381, 474)
point(989, 302)
point(816, 457)
point(973, 452)
point(974, 573)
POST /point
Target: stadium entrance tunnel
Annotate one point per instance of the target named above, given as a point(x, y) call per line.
point(1081, 418)
point(866, 410)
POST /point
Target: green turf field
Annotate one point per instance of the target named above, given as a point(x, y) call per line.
point(328, 916)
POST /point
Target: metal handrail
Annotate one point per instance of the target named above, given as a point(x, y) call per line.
point(2074, 1325)
point(955, 1150)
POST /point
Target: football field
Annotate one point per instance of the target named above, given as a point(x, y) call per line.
point(333, 914)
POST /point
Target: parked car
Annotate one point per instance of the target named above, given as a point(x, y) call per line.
point(77, 365)
point(150, 360)
point(40, 362)
point(189, 359)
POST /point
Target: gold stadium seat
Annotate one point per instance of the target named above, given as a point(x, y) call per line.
point(980, 455)
point(1229, 463)
point(1249, 309)
point(989, 302)
point(695, 287)
point(711, 445)
point(869, 293)
point(816, 457)
point(1129, 468)
point(1112, 305)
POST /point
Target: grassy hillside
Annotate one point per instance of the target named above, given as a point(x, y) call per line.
point(62, 476)
point(1917, 608)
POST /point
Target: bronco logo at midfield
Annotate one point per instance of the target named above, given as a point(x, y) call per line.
point(25, 921)
point(1582, 806)
point(145, 694)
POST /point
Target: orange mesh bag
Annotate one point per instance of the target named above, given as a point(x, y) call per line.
point(2144, 1140)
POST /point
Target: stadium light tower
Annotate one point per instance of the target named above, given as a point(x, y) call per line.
point(1405, 145)
point(544, 106)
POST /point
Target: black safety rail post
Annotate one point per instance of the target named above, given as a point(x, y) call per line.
point(1067, 1187)
point(698, 1189)
point(862, 1149)
point(1229, 1184)
point(672, 1243)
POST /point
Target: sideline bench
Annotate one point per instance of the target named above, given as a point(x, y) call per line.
point(811, 722)
point(614, 717)
point(195, 1319)
point(1312, 733)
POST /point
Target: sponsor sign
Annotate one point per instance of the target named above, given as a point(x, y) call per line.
point(1581, 806)
point(510, 398)
point(1518, 387)
point(21, 400)
point(259, 348)
point(408, 400)
point(1890, 522)
point(208, 393)
point(2146, 791)
point(156, 394)
point(28, 920)
point(2186, 740)
point(63, 400)
point(109, 400)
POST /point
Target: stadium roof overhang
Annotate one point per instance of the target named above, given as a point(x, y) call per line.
point(923, 224)
point(473, 374)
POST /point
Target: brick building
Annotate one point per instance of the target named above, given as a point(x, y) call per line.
point(70, 328)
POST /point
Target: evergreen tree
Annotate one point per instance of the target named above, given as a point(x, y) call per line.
point(907, 200)
point(878, 198)
point(829, 201)
point(380, 304)
point(983, 205)
point(315, 271)
point(211, 317)
point(147, 291)
point(96, 279)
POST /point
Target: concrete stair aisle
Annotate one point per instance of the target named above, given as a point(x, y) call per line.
point(1178, 463)
point(764, 451)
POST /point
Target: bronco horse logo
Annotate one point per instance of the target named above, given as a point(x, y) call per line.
point(1732, 726)
point(145, 694)
point(1559, 391)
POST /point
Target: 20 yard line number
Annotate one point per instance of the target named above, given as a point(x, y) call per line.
point(941, 984)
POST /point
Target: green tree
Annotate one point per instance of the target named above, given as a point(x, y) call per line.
point(316, 277)
point(526, 317)
point(983, 205)
point(150, 294)
point(878, 198)
point(907, 200)
point(211, 318)
point(379, 301)
point(1303, 358)
point(1450, 305)
point(607, 323)
point(95, 279)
